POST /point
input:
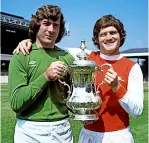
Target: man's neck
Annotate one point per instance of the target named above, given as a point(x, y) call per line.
point(44, 45)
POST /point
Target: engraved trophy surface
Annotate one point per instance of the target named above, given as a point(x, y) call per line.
point(84, 99)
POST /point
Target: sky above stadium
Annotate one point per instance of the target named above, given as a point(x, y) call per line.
point(81, 16)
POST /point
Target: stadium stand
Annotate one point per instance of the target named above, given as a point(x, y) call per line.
point(15, 28)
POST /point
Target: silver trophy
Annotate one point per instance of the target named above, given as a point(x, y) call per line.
point(84, 99)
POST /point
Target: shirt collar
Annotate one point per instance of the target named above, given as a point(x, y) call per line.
point(111, 58)
point(34, 47)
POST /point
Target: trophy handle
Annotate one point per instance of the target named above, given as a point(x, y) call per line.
point(106, 64)
point(69, 89)
point(110, 67)
point(65, 71)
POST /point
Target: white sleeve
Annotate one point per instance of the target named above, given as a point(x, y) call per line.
point(132, 101)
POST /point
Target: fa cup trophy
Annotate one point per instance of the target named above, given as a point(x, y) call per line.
point(85, 96)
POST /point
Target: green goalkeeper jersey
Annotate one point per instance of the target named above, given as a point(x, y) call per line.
point(32, 97)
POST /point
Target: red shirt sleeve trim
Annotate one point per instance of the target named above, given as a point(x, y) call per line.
point(120, 92)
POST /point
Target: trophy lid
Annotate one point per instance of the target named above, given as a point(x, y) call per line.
point(83, 57)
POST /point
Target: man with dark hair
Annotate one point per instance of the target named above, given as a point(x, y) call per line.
point(36, 95)
point(122, 95)
point(123, 92)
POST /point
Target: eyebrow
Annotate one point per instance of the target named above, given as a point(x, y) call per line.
point(45, 20)
point(107, 31)
point(50, 21)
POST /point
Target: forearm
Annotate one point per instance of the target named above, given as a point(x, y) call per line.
point(22, 91)
point(132, 101)
point(23, 96)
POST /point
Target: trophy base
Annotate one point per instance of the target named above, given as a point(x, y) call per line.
point(85, 117)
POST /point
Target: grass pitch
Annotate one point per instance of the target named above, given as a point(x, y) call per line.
point(139, 126)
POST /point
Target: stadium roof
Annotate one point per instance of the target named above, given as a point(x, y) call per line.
point(136, 50)
point(13, 21)
point(142, 53)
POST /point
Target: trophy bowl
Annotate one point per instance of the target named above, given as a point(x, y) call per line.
point(84, 100)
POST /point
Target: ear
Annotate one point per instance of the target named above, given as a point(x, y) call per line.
point(96, 40)
point(30, 31)
point(121, 38)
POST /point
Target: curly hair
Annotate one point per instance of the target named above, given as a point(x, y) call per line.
point(106, 21)
point(46, 12)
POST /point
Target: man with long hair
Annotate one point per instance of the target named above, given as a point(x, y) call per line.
point(36, 95)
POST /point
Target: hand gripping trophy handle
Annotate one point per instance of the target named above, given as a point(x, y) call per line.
point(99, 69)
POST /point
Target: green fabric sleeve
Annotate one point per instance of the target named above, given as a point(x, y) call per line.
point(22, 92)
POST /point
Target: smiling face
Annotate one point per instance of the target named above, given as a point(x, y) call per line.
point(47, 33)
point(109, 41)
